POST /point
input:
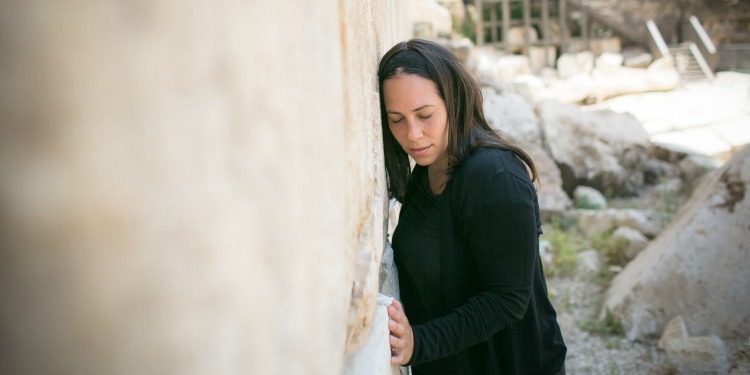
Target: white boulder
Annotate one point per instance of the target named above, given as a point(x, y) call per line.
point(697, 267)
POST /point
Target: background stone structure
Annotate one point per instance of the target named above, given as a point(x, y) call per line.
point(190, 188)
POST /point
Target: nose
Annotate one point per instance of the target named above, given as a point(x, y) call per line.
point(414, 131)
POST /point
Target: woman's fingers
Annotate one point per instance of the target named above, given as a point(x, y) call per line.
point(396, 328)
point(401, 339)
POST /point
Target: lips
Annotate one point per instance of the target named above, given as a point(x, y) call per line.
point(417, 152)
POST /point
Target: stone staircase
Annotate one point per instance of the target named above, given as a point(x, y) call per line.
point(688, 60)
point(622, 18)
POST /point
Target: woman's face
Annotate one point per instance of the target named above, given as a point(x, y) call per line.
point(417, 118)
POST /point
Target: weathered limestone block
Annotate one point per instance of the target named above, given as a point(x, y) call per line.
point(676, 329)
point(637, 60)
point(586, 197)
point(574, 89)
point(612, 81)
point(697, 267)
point(494, 68)
point(609, 60)
point(541, 58)
point(634, 241)
point(457, 10)
point(189, 188)
point(519, 35)
point(600, 46)
point(694, 167)
point(430, 19)
point(552, 198)
point(570, 64)
point(595, 221)
point(662, 75)
point(589, 261)
point(693, 355)
point(741, 360)
point(511, 114)
point(655, 171)
point(374, 356)
point(698, 355)
point(462, 48)
point(604, 149)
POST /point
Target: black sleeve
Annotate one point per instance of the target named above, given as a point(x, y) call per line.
point(501, 234)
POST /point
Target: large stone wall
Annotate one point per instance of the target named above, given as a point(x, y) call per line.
point(189, 188)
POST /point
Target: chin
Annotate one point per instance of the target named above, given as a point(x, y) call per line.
point(424, 162)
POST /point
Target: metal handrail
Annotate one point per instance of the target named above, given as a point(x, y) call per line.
point(657, 38)
point(702, 35)
point(701, 61)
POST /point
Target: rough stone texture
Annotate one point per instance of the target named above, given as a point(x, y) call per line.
point(589, 261)
point(552, 199)
point(570, 64)
point(634, 241)
point(637, 60)
point(675, 330)
point(512, 114)
point(595, 221)
point(608, 45)
point(189, 188)
point(662, 75)
point(741, 360)
point(462, 48)
point(457, 10)
point(586, 197)
point(374, 356)
point(667, 191)
point(693, 355)
point(382, 24)
point(655, 171)
point(517, 37)
point(609, 60)
point(694, 167)
point(491, 67)
point(697, 267)
point(603, 149)
point(698, 355)
point(430, 19)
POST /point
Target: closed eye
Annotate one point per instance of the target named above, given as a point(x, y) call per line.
point(396, 120)
point(425, 116)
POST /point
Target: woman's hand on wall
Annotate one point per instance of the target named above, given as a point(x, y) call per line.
point(402, 337)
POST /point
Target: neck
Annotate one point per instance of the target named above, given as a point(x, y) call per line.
point(436, 177)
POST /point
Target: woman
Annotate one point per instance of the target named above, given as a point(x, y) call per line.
point(466, 245)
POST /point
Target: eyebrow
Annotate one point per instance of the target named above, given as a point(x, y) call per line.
point(414, 110)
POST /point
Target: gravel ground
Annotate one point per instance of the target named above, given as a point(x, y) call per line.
point(577, 302)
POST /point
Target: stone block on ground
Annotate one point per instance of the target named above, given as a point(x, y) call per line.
point(586, 197)
point(741, 360)
point(570, 64)
point(675, 330)
point(698, 355)
point(596, 221)
point(589, 261)
point(697, 267)
point(633, 240)
point(430, 19)
point(602, 149)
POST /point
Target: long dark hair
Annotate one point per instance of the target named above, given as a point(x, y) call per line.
point(467, 127)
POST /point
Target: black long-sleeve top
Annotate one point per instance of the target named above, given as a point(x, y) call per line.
point(470, 274)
